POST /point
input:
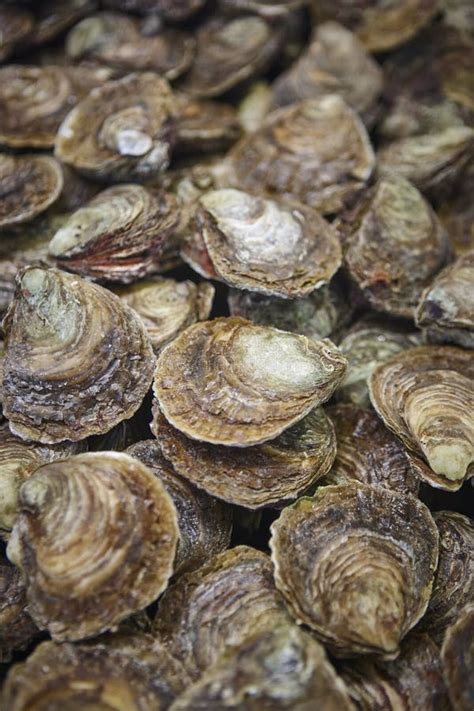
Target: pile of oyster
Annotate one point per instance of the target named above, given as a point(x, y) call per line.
point(237, 355)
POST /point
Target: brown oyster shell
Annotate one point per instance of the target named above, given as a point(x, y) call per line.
point(457, 214)
point(230, 51)
point(78, 360)
point(169, 9)
point(265, 8)
point(167, 307)
point(119, 41)
point(335, 62)
point(457, 655)
point(284, 668)
point(394, 245)
point(205, 126)
point(254, 477)
point(17, 24)
point(205, 524)
point(424, 395)
point(52, 17)
point(95, 539)
point(316, 152)
point(121, 131)
point(272, 247)
point(230, 382)
point(368, 452)
point(459, 14)
point(118, 235)
point(17, 629)
point(216, 608)
point(29, 184)
point(446, 308)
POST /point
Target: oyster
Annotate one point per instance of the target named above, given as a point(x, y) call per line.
point(458, 660)
point(446, 308)
point(121, 131)
point(316, 152)
point(425, 396)
point(205, 524)
point(29, 184)
point(265, 8)
point(78, 360)
point(457, 214)
point(169, 9)
point(254, 477)
point(118, 235)
point(95, 539)
point(255, 105)
point(17, 629)
point(17, 24)
point(52, 17)
point(205, 126)
point(459, 14)
point(230, 382)
point(356, 564)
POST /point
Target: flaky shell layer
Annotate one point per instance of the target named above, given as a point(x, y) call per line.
point(230, 382)
point(356, 564)
point(457, 655)
point(17, 629)
point(78, 360)
point(95, 540)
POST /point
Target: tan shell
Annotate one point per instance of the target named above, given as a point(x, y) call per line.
point(78, 360)
point(265, 8)
point(205, 524)
point(457, 655)
point(52, 17)
point(95, 539)
point(230, 382)
point(170, 9)
point(29, 184)
point(16, 24)
point(205, 126)
point(17, 629)
point(121, 131)
point(425, 396)
point(255, 105)
point(356, 564)
point(316, 152)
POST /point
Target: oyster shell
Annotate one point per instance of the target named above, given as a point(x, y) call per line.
point(169, 9)
point(446, 308)
point(205, 524)
point(457, 214)
point(265, 8)
point(95, 539)
point(17, 24)
point(78, 360)
point(424, 395)
point(52, 17)
point(254, 477)
point(356, 564)
point(457, 654)
point(17, 629)
point(230, 382)
point(205, 126)
point(255, 105)
point(459, 14)
point(316, 152)
point(121, 131)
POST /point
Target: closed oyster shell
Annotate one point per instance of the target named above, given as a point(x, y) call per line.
point(17, 629)
point(121, 131)
point(254, 477)
point(167, 307)
point(17, 24)
point(95, 539)
point(446, 308)
point(205, 524)
point(425, 396)
point(169, 9)
point(368, 452)
point(216, 608)
point(356, 564)
point(230, 382)
point(78, 360)
point(118, 235)
point(394, 245)
point(457, 655)
point(316, 152)
point(54, 16)
point(205, 126)
point(29, 184)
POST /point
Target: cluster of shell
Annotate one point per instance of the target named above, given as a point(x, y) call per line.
point(269, 508)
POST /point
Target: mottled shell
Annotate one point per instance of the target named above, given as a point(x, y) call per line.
point(29, 184)
point(265, 8)
point(205, 524)
point(457, 214)
point(425, 396)
point(254, 477)
point(17, 629)
point(458, 660)
point(356, 564)
point(78, 360)
point(205, 126)
point(394, 245)
point(95, 539)
point(459, 14)
point(117, 236)
point(230, 382)
point(216, 608)
point(368, 452)
point(170, 9)
point(167, 307)
point(121, 131)
point(16, 24)
point(284, 668)
point(52, 17)
point(316, 152)
point(446, 308)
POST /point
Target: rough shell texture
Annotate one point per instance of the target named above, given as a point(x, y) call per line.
point(265, 8)
point(316, 152)
point(205, 524)
point(230, 382)
point(170, 9)
point(356, 564)
point(16, 24)
point(217, 607)
point(17, 629)
point(264, 475)
point(425, 396)
point(457, 214)
point(78, 360)
point(458, 660)
point(205, 126)
point(54, 16)
point(95, 539)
